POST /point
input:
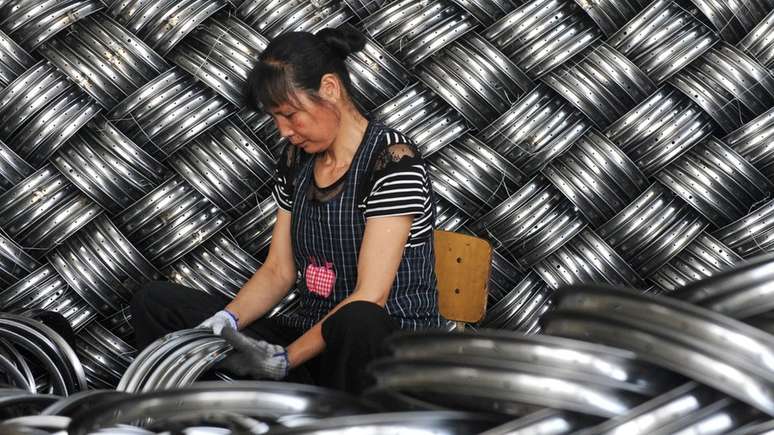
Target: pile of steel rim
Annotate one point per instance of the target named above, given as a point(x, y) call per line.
point(620, 143)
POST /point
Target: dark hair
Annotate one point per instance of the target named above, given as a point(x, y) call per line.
point(297, 61)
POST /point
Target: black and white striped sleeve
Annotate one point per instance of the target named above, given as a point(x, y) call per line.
point(400, 183)
point(284, 179)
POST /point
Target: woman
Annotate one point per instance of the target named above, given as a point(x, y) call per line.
point(355, 219)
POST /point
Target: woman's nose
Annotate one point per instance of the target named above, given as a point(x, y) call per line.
point(284, 128)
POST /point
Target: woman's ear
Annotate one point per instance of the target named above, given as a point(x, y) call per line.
point(331, 89)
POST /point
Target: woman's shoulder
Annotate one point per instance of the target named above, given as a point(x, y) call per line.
point(387, 136)
point(393, 146)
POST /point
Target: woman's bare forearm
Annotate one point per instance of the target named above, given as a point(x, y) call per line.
point(272, 281)
point(260, 294)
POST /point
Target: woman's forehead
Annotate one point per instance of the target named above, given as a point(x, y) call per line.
point(301, 101)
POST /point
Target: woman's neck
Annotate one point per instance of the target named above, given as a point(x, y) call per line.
point(352, 127)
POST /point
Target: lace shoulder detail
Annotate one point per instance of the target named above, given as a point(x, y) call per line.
point(394, 153)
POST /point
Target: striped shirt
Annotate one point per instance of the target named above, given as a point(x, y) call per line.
point(397, 184)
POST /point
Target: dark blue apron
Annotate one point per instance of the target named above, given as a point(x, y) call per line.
point(326, 240)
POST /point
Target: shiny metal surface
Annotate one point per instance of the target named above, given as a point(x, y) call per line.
point(597, 177)
point(43, 422)
point(705, 256)
point(191, 220)
point(716, 181)
point(412, 31)
point(427, 422)
point(662, 39)
point(375, 74)
point(733, 18)
point(718, 418)
point(252, 230)
point(495, 385)
point(541, 35)
point(659, 412)
point(268, 401)
point(532, 223)
point(753, 142)
point(12, 355)
point(572, 356)
point(101, 250)
point(424, 117)
point(587, 258)
point(105, 59)
point(536, 129)
point(217, 266)
point(32, 23)
point(81, 401)
point(43, 108)
point(751, 234)
point(706, 346)
point(13, 169)
point(220, 52)
point(448, 217)
point(601, 83)
point(610, 15)
point(15, 263)
point(543, 422)
point(758, 42)
point(14, 60)
point(363, 8)
point(104, 356)
point(28, 210)
point(503, 276)
point(764, 428)
point(474, 78)
point(107, 166)
point(272, 17)
point(169, 111)
point(118, 324)
point(247, 167)
point(164, 23)
point(16, 403)
point(44, 288)
point(660, 128)
point(47, 348)
point(742, 292)
point(728, 84)
point(472, 176)
point(173, 361)
point(487, 12)
point(516, 309)
point(652, 229)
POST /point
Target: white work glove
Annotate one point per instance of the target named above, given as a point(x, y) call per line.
point(255, 358)
point(218, 321)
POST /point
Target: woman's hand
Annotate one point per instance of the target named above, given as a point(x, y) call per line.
point(255, 358)
point(218, 321)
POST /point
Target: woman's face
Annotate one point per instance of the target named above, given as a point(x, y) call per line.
point(310, 125)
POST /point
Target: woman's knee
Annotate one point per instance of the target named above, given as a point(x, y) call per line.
point(358, 318)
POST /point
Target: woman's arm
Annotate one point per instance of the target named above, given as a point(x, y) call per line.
point(272, 281)
point(380, 255)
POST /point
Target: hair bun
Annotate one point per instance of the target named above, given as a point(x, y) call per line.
point(343, 41)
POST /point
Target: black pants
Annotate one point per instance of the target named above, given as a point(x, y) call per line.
point(353, 335)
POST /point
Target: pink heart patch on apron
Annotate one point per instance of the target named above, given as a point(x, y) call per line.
point(320, 279)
